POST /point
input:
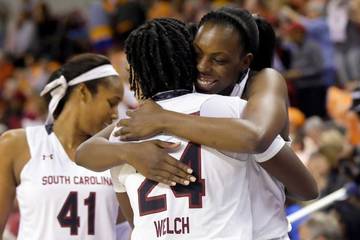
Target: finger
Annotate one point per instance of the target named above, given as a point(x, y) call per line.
point(128, 137)
point(130, 113)
point(168, 145)
point(167, 176)
point(179, 165)
point(177, 175)
point(121, 132)
point(163, 180)
point(123, 122)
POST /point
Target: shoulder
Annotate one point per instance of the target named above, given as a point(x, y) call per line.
point(267, 81)
point(13, 142)
point(222, 106)
point(13, 136)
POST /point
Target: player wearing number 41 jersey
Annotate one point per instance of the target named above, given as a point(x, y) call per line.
point(58, 199)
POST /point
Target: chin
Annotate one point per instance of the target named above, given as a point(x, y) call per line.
point(201, 90)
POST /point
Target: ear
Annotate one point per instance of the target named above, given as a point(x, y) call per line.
point(84, 93)
point(246, 60)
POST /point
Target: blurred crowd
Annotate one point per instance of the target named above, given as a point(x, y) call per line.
point(317, 51)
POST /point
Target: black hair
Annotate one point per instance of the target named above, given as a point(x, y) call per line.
point(241, 20)
point(74, 67)
point(161, 57)
point(266, 47)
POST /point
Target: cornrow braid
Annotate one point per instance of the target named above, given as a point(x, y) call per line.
point(241, 20)
point(161, 57)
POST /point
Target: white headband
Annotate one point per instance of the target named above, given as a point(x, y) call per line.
point(57, 88)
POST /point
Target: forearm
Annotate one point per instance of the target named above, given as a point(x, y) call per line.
point(98, 154)
point(235, 135)
point(289, 170)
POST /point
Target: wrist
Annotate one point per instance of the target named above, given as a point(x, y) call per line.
point(165, 122)
point(124, 153)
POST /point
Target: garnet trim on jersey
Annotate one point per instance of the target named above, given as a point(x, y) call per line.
point(195, 191)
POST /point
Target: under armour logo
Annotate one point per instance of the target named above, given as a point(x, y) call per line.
point(50, 156)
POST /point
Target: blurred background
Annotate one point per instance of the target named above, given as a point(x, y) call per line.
point(317, 51)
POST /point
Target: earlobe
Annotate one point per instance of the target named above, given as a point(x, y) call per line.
point(247, 60)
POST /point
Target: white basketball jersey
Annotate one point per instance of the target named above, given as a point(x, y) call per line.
point(61, 200)
point(216, 206)
point(267, 196)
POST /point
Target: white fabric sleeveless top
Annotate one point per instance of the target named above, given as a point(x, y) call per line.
point(59, 199)
point(267, 195)
point(216, 207)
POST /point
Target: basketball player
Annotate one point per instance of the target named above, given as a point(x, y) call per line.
point(58, 199)
point(225, 45)
point(157, 211)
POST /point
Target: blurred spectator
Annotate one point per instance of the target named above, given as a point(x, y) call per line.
point(296, 120)
point(320, 168)
point(321, 226)
point(46, 28)
point(100, 31)
point(345, 33)
point(162, 8)
point(20, 35)
point(127, 16)
point(72, 37)
point(4, 17)
point(306, 72)
point(333, 146)
point(353, 119)
point(349, 214)
point(317, 30)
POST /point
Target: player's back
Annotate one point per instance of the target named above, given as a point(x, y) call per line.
point(216, 206)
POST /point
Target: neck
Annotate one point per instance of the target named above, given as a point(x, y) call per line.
point(67, 131)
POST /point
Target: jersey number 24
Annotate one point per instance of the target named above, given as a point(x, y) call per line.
point(195, 191)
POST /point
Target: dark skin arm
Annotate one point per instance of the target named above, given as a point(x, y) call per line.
point(288, 169)
point(98, 154)
point(253, 133)
point(125, 206)
point(261, 122)
point(14, 150)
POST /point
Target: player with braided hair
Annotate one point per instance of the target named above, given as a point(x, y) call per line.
point(179, 212)
point(169, 35)
point(226, 45)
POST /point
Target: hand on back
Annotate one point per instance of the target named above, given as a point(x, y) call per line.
point(144, 122)
point(152, 160)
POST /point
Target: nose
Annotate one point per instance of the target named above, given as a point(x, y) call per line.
point(203, 65)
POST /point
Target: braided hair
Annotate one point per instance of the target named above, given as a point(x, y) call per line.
point(161, 57)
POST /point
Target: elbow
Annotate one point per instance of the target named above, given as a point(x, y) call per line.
point(260, 143)
point(310, 193)
point(313, 192)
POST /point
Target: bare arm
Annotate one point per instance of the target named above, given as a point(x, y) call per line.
point(288, 169)
point(253, 133)
point(9, 148)
point(99, 154)
point(125, 206)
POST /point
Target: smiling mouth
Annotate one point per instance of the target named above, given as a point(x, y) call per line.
point(205, 83)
